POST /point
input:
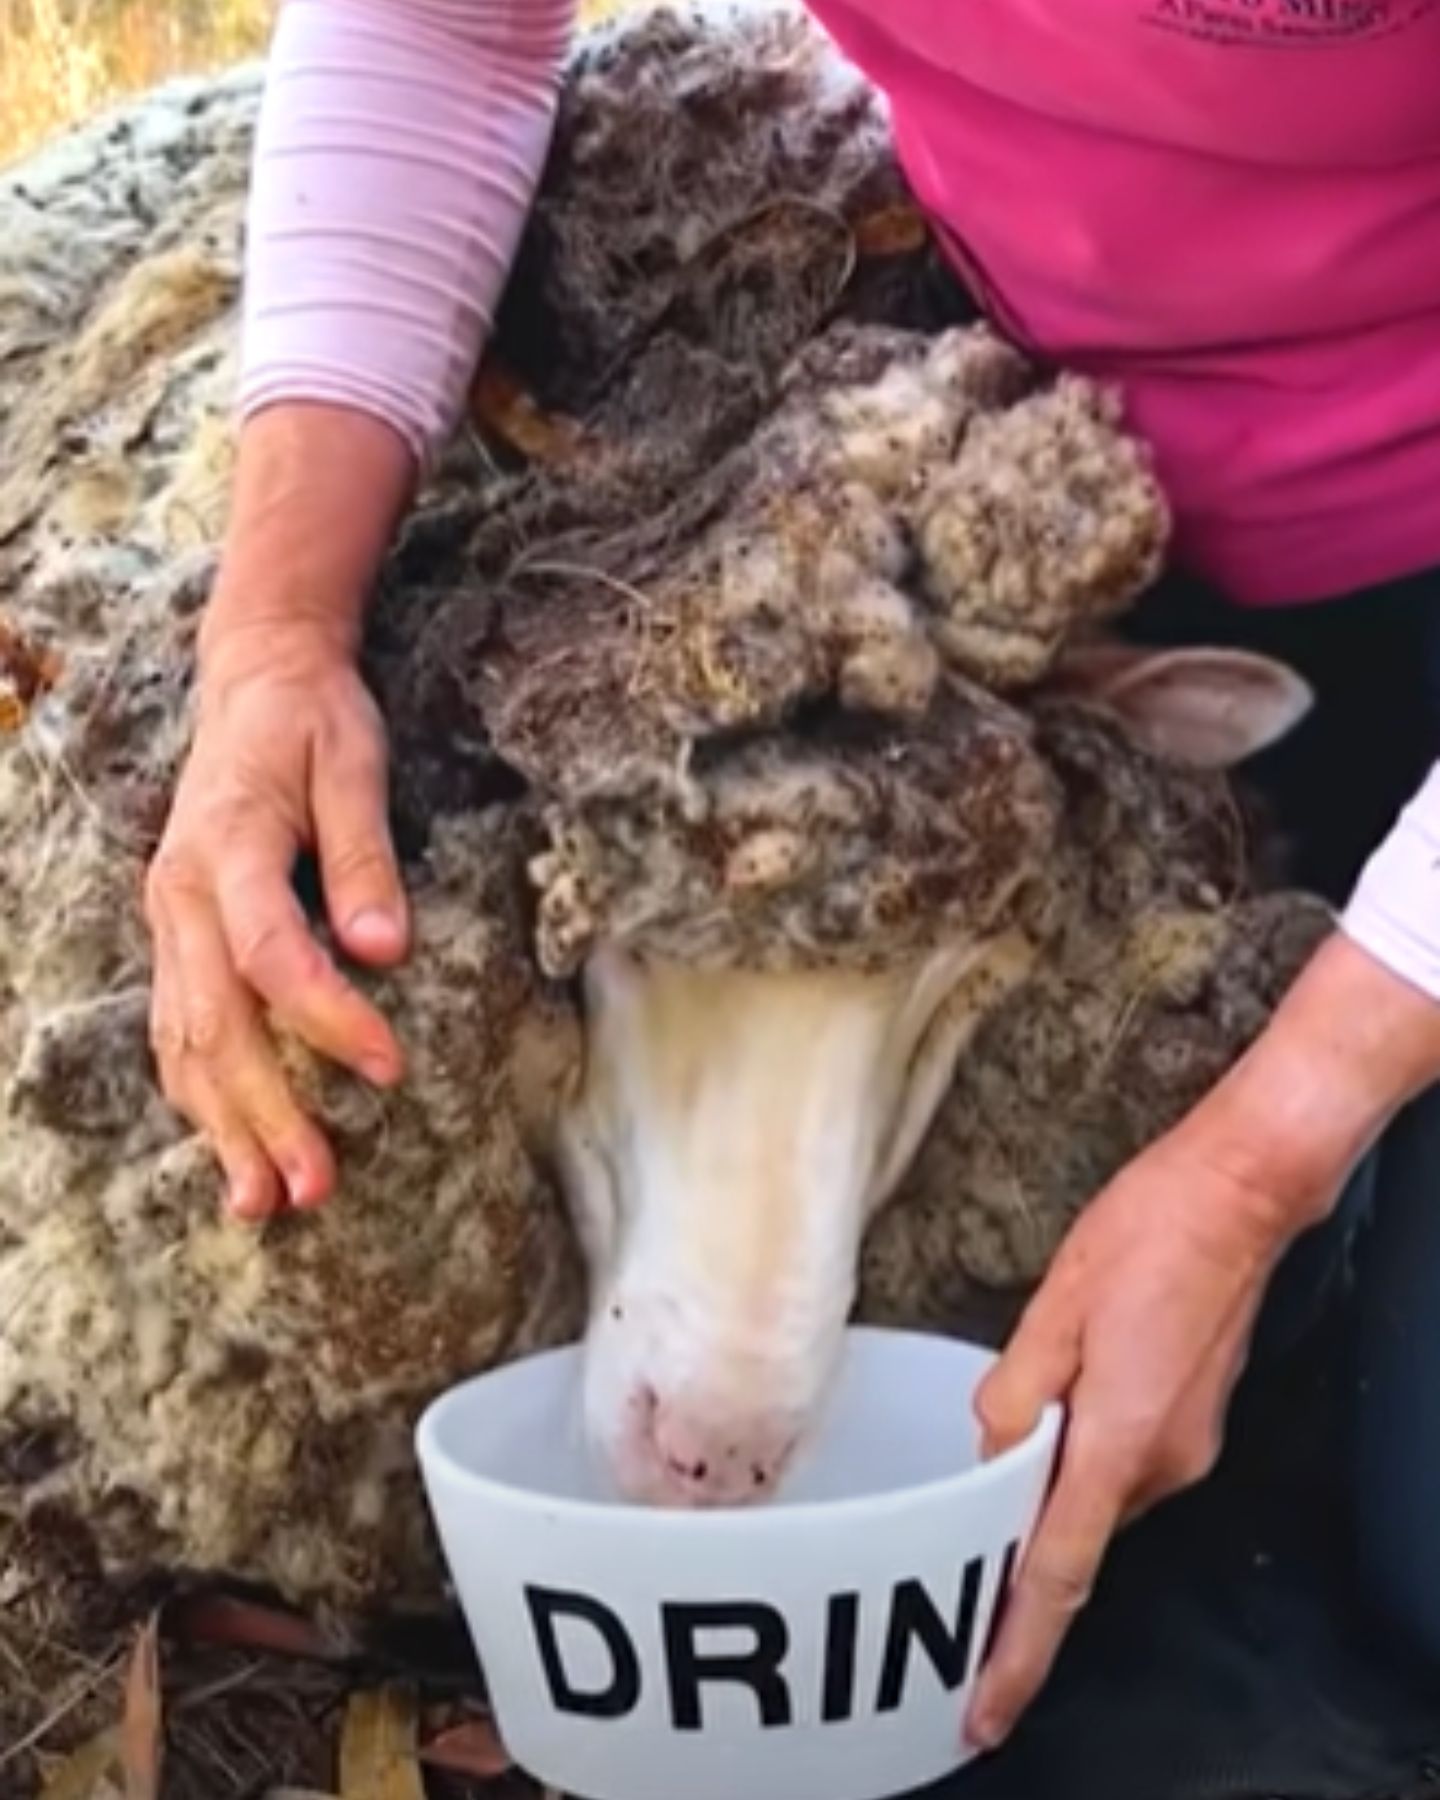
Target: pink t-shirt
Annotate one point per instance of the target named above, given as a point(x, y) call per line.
point(1231, 207)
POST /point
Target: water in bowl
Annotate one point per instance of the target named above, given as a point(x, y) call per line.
point(897, 1417)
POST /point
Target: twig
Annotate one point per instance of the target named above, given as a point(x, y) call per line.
point(214, 1690)
point(82, 1692)
point(579, 572)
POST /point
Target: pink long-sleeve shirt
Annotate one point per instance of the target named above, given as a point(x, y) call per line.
point(1231, 208)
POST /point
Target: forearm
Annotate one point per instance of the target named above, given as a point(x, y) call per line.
point(1394, 912)
point(398, 150)
point(316, 496)
point(1351, 1043)
point(1358, 1035)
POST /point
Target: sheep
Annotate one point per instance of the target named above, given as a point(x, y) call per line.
point(815, 900)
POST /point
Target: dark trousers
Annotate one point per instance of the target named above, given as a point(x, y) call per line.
point(1336, 787)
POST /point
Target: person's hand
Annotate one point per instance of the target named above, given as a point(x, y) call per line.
point(288, 754)
point(1141, 1328)
point(1142, 1324)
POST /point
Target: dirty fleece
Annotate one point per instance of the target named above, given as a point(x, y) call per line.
point(756, 680)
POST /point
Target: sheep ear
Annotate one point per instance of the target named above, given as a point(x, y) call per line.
point(1209, 709)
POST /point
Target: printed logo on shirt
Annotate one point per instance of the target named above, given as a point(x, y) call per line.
point(1287, 24)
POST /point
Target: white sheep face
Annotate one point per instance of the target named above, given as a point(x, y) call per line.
point(734, 1134)
point(735, 1130)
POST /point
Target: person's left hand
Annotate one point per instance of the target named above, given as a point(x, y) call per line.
point(1141, 1328)
point(1142, 1325)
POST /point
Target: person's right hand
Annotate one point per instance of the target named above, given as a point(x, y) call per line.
point(289, 753)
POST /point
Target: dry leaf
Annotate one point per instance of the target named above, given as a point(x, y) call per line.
point(500, 405)
point(86, 1773)
point(892, 231)
point(244, 1625)
point(378, 1747)
point(26, 672)
point(473, 1748)
point(142, 1732)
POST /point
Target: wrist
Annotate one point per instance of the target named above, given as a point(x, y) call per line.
point(286, 641)
point(1349, 1045)
point(249, 619)
point(317, 494)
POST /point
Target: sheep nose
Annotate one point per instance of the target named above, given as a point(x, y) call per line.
point(718, 1462)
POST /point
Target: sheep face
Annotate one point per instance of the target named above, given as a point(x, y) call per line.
point(773, 940)
point(737, 1126)
point(737, 1130)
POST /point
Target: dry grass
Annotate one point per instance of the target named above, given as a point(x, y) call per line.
point(230, 1700)
point(60, 60)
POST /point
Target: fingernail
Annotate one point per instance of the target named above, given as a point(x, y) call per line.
point(379, 1069)
point(304, 1189)
point(985, 1731)
point(247, 1206)
point(374, 926)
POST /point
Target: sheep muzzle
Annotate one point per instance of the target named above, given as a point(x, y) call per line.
point(733, 1135)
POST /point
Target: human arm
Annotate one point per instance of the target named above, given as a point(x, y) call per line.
point(398, 148)
point(1175, 1254)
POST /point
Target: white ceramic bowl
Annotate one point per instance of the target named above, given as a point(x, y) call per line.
point(819, 1647)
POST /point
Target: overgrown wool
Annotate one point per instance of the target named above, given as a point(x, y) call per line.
point(729, 646)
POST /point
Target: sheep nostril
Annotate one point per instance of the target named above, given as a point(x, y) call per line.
point(687, 1471)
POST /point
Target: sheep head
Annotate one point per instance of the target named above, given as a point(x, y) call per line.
point(802, 842)
point(761, 1063)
